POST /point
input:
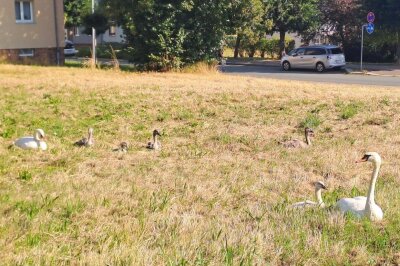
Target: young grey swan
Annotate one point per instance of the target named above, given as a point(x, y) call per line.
point(319, 186)
point(123, 147)
point(86, 142)
point(155, 144)
point(296, 143)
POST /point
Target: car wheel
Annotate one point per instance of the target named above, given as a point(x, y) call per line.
point(320, 67)
point(286, 66)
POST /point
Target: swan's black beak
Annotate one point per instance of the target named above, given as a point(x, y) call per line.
point(363, 159)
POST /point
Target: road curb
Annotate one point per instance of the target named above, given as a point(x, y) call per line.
point(349, 71)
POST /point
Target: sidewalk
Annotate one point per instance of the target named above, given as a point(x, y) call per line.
point(383, 69)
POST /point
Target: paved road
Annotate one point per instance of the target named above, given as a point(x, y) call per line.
point(305, 75)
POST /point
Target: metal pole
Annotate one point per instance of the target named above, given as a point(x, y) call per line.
point(362, 47)
point(56, 32)
point(93, 39)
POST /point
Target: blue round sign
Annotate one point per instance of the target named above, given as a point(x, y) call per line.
point(371, 17)
point(370, 28)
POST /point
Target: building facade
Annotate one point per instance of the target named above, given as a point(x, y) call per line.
point(32, 32)
point(114, 34)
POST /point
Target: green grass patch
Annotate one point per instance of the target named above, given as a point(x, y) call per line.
point(348, 111)
point(25, 175)
point(312, 120)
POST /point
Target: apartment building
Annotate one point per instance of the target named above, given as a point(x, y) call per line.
point(32, 31)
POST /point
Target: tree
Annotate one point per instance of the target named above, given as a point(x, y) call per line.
point(342, 21)
point(96, 20)
point(291, 16)
point(204, 22)
point(151, 29)
point(387, 23)
point(245, 19)
point(166, 34)
point(74, 11)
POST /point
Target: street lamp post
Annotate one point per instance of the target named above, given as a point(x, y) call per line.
point(93, 39)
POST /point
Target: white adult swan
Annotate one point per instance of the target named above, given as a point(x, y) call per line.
point(32, 142)
point(365, 206)
point(87, 142)
point(156, 144)
point(319, 186)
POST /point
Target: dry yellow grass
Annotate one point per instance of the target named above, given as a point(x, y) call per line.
point(217, 193)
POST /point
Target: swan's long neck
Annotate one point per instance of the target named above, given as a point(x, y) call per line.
point(308, 139)
point(37, 136)
point(154, 138)
point(371, 191)
point(318, 194)
point(90, 136)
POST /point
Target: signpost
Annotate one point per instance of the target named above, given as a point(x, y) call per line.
point(371, 17)
point(370, 27)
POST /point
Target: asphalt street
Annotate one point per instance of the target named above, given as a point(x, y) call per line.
point(331, 76)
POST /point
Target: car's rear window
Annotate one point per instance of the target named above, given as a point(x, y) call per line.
point(335, 51)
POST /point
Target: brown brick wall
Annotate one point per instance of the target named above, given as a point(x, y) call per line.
point(41, 56)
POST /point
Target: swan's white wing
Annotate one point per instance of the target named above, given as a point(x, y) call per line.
point(377, 213)
point(360, 198)
point(43, 145)
point(26, 143)
point(355, 205)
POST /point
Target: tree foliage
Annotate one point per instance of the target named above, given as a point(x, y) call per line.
point(291, 16)
point(96, 20)
point(168, 34)
point(74, 11)
point(387, 23)
point(342, 19)
point(245, 20)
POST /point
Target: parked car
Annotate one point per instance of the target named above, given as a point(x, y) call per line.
point(318, 57)
point(69, 49)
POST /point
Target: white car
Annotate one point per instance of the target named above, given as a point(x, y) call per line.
point(69, 49)
point(318, 57)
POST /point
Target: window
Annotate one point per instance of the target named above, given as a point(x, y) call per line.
point(315, 51)
point(23, 11)
point(335, 51)
point(292, 52)
point(112, 30)
point(76, 31)
point(26, 52)
point(300, 51)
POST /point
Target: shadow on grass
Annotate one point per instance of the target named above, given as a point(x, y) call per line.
point(125, 68)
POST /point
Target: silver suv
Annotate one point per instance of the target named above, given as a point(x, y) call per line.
point(319, 57)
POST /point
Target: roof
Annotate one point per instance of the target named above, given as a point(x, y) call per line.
point(320, 46)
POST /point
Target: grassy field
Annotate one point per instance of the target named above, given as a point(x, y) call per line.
point(219, 191)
